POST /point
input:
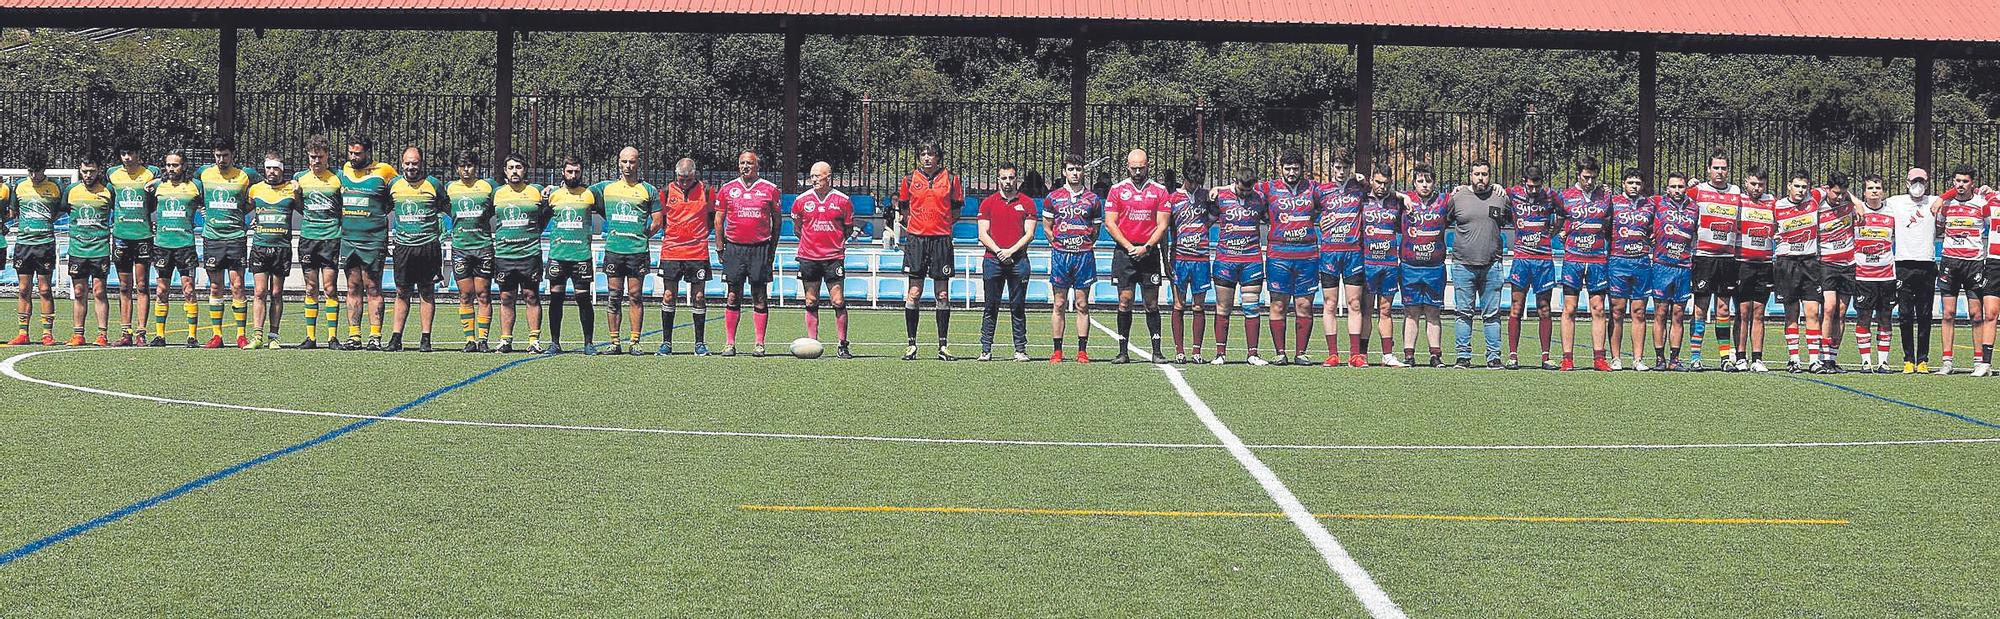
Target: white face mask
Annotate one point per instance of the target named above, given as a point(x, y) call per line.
point(1917, 190)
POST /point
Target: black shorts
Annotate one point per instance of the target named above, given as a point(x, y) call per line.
point(690, 271)
point(1991, 278)
point(1837, 279)
point(417, 266)
point(1872, 296)
point(747, 263)
point(1753, 282)
point(472, 263)
point(1956, 275)
point(35, 259)
point(576, 272)
point(823, 271)
point(271, 261)
point(128, 252)
point(512, 273)
point(315, 254)
point(365, 261)
point(1147, 270)
point(927, 256)
point(1714, 275)
point(1916, 285)
point(224, 254)
point(170, 260)
point(1797, 279)
point(626, 265)
point(81, 269)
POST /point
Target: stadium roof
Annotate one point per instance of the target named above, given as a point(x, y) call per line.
point(1820, 27)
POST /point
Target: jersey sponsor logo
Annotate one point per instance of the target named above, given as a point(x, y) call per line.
point(624, 218)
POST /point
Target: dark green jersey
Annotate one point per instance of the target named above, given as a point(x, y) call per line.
point(569, 223)
point(271, 208)
point(628, 214)
point(35, 210)
point(130, 220)
point(471, 213)
point(225, 205)
point(517, 221)
point(420, 208)
point(89, 211)
point(319, 215)
point(364, 206)
point(173, 213)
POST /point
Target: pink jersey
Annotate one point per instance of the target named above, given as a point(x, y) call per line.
point(1874, 246)
point(1140, 209)
point(1757, 228)
point(1237, 219)
point(747, 211)
point(1631, 226)
point(1340, 216)
point(1291, 210)
point(1534, 222)
point(1381, 229)
point(1073, 218)
point(1836, 232)
point(1717, 213)
point(1585, 216)
point(1424, 222)
point(1674, 230)
point(1798, 226)
point(822, 224)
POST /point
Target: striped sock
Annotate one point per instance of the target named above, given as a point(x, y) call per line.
point(23, 325)
point(1881, 346)
point(48, 324)
point(330, 310)
point(1792, 341)
point(215, 317)
point(160, 319)
point(312, 317)
point(193, 312)
point(485, 326)
point(240, 314)
point(466, 321)
point(1813, 344)
point(1863, 340)
point(1695, 335)
point(1723, 344)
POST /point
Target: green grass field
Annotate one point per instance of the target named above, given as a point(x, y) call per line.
point(585, 494)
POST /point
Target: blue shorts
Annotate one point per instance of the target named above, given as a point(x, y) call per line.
point(1294, 277)
point(1345, 265)
point(1536, 275)
point(1423, 286)
point(1630, 277)
point(1192, 277)
point(1382, 279)
point(1585, 277)
point(1072, 270)
point(1670, 284)
point(1238, 274)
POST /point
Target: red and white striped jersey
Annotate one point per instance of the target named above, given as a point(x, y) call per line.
point(1836, 231)
point(1874, 246)
point(1756, 228)
point(1715, 226)
point(1798, 227)
point(1964, 223)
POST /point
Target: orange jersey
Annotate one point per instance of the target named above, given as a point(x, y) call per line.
point(688, 224)
point(933, 202)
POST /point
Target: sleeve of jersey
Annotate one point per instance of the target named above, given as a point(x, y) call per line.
point(903, 190)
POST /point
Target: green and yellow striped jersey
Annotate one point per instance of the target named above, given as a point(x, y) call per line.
point(628, 214)
point(271, 208)
point(130, 219)
point(319, 215)
point(420, 208)
point(569, 223)
point(35, 210)
point(471, 213)
point(518, 214)
point(173, 213)
point(90, 220)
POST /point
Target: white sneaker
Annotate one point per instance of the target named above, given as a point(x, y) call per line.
point(1389, 360)
point(1944, 369)
point(1867, 367)
point(1218, 360)
point(1637, 366)
point(1618, 363)
point(1758, 367)
point(1256, 360)
point(1982, 369)
point(1742, 365)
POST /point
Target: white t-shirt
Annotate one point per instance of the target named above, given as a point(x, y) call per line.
point(1916, 227)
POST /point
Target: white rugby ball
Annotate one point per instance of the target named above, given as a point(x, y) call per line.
point(807, 348)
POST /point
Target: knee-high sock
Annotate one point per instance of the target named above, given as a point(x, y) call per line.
point(240, 314)
point(586, 308)
point(840, 321)
point(1180, 330)
point(1153, 327)
point(1200, 325)
point(943, 313)
point(731, 314)
point(1124, 329)
point(812, 320)
point(1696, 331)
point(1792, 341)
point(760, 321)
point(557, 298)
point(910, 317)
point(1302, 329)
point(1514, 334)
point(312, 316)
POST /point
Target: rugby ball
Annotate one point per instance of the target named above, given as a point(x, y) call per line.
point(807, 348)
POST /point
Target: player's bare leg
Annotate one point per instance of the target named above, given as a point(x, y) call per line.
point(1569, 300)
point(809, 292)
point(1515, 310)
point(1281, 310)
point(134, 303)
point(1225, 306)
point(1197, 305)
point(1833, 318)
point(1359, 309)
point(635, 312)
point(1328, 309)
point(839, 291)
point(505, 312)
point(1385, 330)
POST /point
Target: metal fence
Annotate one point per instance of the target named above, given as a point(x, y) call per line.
point(873, 143)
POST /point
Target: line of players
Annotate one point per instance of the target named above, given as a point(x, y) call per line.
point(1354, 241)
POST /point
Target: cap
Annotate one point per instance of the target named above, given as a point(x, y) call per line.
point(1919, 173)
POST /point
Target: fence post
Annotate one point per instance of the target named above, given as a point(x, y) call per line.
point(225, 84)
point(1649, 84)
point(1364, 106)
point(503, 98)
point(1079, 76)
point(1926, 73)
point(794, 41)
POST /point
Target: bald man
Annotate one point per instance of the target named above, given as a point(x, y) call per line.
point(420, 203)
point(1137, 213)
point(627, 205)
point(685, 216)
point(746, 224)
point(824, 218)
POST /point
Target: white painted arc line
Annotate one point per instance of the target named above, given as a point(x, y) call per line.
point(7, 367)
point(1351, 573)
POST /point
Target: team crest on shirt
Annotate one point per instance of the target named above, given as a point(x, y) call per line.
point(1125, 194)
point(735, 192)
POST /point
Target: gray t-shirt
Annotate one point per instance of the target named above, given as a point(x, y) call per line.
point(1475, 225)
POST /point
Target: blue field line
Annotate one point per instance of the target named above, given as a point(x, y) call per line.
point(198, 483)
point(1965, 418)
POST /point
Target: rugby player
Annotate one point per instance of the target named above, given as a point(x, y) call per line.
point(1194, 215)
point(569, 207)
point(33, 204)
point(1836, 263)
point(1006, 226)
point(1239, 260)
point(1962, 213)
point(319, 243)
point(88, 203)
point(1071, 217)
point(1532, 210)
point(1342, 274)
point(1585, 211)
point(1676, 223)
point(747, 222)
point(1137, 214)
point(1715, 270)
point(627, 205)
point(519, 212)
point(824, 218)
point(365, 205)
point(273, 201)
point(927, 204)
point(1294, 266)
point(1756, 236)
point(1630, 267)
point(225, 237)
point(686, 217)
point(1796, 272)
point(131, 243)
point(1381, 255)
point(1990, 293)
point(172, 200)
point(1875, 274)
point(1426, 212)
point(472, 249)
point(420, 203)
